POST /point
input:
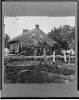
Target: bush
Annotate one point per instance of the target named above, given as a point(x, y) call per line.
point(40, 73)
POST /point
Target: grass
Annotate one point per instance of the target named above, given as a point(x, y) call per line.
point(24, 71)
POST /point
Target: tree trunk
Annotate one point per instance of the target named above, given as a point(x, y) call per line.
point(21, 46)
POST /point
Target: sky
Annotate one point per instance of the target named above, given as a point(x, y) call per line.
point(14, 25)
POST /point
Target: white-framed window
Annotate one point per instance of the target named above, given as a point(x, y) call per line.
point(40, 36)
point(33, 35)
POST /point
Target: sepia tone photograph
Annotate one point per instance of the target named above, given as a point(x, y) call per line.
point(39, 49)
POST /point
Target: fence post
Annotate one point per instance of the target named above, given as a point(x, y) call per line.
point(69, 58)
point(53, 56)
point(35, 58)
point(64, 55)
point(44, 55)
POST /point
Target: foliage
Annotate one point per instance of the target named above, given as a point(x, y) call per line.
point(6, 39)
point(57, 72)
point(64, 37)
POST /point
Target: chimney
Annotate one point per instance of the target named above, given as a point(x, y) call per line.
point(24, 30)
point(36, 26)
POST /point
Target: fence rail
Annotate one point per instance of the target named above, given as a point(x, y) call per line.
point(51, 56)
point(41, 57)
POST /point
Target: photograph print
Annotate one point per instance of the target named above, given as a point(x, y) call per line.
point(39, 49)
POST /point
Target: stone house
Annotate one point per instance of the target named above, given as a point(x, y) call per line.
point(29, 38)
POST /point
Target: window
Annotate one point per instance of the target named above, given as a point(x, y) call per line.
point(33, 35)
point(40, 36)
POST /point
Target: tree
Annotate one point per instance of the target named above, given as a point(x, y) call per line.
point(64, 37)
point(6, 39)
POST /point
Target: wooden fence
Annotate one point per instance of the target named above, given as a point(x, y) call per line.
point(45, 57)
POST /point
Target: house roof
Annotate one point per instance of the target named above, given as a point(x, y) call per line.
point(33, 36)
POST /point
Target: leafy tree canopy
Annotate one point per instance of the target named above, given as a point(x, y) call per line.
point(64, 36)
point(6, 39)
